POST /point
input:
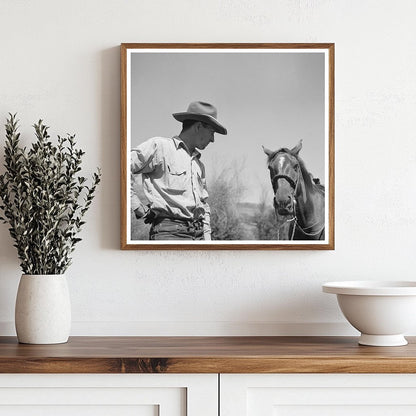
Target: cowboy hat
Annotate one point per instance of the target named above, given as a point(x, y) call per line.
point(204, 112)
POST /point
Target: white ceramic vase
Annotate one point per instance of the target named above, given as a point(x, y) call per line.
point(43, 309)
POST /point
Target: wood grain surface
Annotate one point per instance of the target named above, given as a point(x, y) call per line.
point(206, 355)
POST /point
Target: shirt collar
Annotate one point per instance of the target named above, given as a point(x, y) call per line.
point(179, 143)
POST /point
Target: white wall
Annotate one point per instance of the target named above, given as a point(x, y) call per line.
point(60, 62)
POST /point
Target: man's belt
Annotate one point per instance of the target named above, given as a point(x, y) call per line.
point(190, 223)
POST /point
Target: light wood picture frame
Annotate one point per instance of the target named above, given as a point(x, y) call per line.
point(270, 180)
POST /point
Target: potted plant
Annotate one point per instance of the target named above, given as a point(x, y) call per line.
point(44, 199)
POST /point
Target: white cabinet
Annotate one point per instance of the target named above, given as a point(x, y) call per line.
point(317, 394)
point(197, 394)
point(109, 394)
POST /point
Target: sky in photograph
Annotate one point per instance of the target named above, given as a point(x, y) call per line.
point(269, 99)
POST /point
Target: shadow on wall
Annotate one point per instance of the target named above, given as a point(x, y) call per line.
point(9, 277)
point(109, 104)
point(266, 317)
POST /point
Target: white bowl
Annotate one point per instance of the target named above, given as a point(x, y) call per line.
point(381, 311)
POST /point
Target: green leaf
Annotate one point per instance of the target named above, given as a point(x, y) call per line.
point(44, 198)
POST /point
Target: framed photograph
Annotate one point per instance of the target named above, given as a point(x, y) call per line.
point(227, 146)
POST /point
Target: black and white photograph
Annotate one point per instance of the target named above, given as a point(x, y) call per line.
point(227, 146)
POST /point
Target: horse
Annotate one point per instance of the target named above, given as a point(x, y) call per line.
point(299, 199)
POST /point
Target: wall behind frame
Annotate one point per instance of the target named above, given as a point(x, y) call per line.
point(60, 62)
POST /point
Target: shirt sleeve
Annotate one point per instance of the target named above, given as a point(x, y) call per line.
point(143, 159)
point(206, 220)
point(207, 223)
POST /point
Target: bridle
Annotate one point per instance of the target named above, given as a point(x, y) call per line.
point(294, 185)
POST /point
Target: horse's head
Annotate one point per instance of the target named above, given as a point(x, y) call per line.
point(285, 174)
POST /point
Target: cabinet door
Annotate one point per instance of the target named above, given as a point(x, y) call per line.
point(318, 394)
point(108, 395)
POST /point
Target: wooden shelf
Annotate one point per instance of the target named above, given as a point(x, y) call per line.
point(206, 355)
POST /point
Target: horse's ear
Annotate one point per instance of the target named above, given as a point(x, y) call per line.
point(267, 151)
point(295, 151)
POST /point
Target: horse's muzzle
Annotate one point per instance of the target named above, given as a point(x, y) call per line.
point(285, 207)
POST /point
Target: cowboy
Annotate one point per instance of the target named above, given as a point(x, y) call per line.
point(173, 177)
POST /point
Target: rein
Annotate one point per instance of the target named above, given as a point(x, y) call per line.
point(293, 231)
point(296, 224)
point(310, 226)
